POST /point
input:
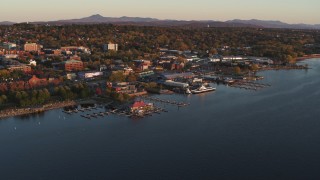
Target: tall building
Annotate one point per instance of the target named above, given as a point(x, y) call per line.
point(32, 47)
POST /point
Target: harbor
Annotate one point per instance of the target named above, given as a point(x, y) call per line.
point(180, 104)
point(98, 111)
point(262, 123)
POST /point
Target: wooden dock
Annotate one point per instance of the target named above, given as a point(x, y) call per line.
point(249, 85)
point(180, 104)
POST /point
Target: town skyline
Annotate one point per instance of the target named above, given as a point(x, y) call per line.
point(285, 11)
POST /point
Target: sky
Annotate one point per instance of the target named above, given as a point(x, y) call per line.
point(290, 11)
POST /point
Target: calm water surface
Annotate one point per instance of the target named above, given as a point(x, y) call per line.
point(273, 133)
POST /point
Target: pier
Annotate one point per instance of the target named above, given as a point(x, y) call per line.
point(248, 85)
point(122, 112)
point(180, 104)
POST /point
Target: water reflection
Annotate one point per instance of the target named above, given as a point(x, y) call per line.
point(244, 132)
point(33, 116)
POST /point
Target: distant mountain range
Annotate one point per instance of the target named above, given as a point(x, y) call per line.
point(7, 23)
point(275, 24)
point(98, 19)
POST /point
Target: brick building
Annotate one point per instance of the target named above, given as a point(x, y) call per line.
point(21, 67)
point(73, 65)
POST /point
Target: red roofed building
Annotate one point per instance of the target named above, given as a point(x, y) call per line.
point(37, 82)
point(140, 106)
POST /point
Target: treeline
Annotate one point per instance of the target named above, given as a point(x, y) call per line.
point(31, 98)
point(42, 96)
point(78, 90)
point(120, 97)
point(137, 41)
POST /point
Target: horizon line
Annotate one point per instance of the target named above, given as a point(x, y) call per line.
point(160, 19)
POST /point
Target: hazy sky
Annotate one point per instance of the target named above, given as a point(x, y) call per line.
point(291, 11)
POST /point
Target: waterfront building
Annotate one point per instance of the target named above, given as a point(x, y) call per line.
point(123, 87)
point(186, 75)
point(140, 107)
point(176, 84)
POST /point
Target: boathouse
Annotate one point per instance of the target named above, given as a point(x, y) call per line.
point(140, 106)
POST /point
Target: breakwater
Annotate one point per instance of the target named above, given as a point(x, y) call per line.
point(31, 110)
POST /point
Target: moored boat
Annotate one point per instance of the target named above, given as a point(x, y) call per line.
point(203, 89)
point(188, 91)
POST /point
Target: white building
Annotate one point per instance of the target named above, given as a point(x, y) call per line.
point(176, 84)
point(112, 46)
point(32, 62)
point(8, 45)
point(11, 56)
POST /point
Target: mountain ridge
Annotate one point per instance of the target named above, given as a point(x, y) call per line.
point(147, 21)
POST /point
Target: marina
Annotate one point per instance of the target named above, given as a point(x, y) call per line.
point(99, 112)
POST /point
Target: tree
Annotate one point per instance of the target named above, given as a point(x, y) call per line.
point(254, 67)
point(117, 77)
point(290, 59)
point(131, 78)
point(237, 70)
point(213, 51)
point(18, 96)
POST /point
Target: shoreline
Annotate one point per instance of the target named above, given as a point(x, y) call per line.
point(25, 111)
point(312, 56)
point(12, 112)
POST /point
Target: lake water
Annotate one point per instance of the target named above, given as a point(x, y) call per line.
point(273, 133)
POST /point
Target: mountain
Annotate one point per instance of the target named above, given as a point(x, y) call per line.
point(7, 23)
point(97, 18)
point(275, 24)
point(146, 21)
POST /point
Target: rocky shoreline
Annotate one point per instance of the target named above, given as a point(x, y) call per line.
point(24, 111)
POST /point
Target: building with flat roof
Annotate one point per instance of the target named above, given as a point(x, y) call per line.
point(8, 45)
point(21, 67)
point(110, 46)
point(186, 75)
point(73, 65)
point(32, 47)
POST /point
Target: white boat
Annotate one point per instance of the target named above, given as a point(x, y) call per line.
point(228, 80)
point(188, 91)
point(202, 89)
